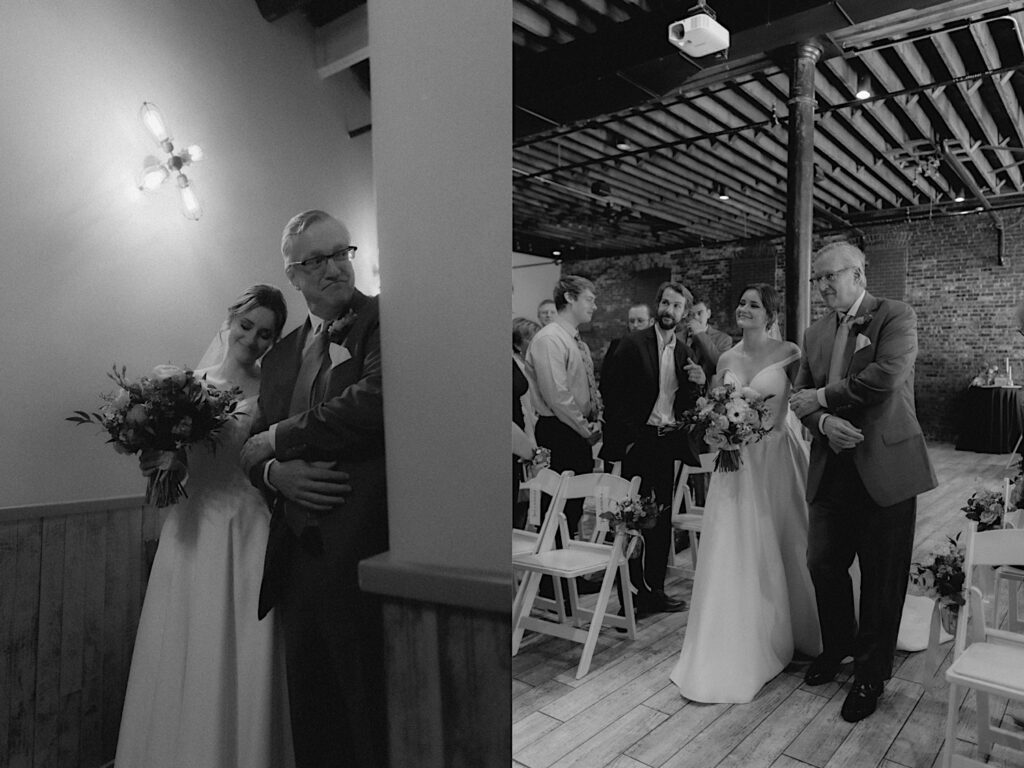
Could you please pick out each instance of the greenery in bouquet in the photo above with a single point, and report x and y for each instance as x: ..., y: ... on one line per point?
x: 631, y: 516
x: 162, y: 415
x: 728, y: 418
x: 986, y: 508
x: 942, y: 575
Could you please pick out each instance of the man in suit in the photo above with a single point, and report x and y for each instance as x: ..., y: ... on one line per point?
x: 653, y: 378
x: 697, y: 324
x: 317, y: 454
x: 855, y: 393
x: 638, y: 317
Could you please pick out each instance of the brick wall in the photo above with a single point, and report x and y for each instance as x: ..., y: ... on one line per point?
x: 946, y: 269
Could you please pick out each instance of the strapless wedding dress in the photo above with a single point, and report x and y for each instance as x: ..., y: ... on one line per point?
x: 753, y: 601
x: 207, y: 681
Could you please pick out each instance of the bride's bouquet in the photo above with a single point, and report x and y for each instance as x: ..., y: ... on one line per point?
x: 162, y: 414
x: 728, y: 418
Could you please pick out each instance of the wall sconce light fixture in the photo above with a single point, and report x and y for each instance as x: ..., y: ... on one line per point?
x: 155, y: 172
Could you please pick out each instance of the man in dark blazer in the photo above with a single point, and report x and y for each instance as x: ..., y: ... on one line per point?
x: 317, y: 454
x: 855, y: 393
x: 652, y: 379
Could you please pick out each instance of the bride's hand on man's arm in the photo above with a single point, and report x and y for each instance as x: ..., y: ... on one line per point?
x: 312, y: 484
x: 256, y: 449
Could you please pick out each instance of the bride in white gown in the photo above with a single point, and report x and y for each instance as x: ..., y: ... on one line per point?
x: 207, y: 687
x: 753, y: 602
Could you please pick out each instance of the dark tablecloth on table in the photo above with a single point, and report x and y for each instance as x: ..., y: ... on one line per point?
x: 991, y: 419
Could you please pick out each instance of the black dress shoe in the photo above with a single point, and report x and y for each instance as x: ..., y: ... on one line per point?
x: 822, y: 670
x: 658, y: 602
x: 861, y: 700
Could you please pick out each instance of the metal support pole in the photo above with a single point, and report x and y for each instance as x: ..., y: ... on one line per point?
x: 800, y: 190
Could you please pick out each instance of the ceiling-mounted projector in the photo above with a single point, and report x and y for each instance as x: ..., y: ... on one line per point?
x: 698, y: 35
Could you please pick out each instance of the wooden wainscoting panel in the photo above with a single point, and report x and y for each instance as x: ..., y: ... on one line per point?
x: 8, y: 593
x: 71, y: 641
x: 413, y: 684
x: 24, y: 638
x: 71, y: 587
x: 448, y: 685
x: 95, y: 582
x: 477, y: 699
x: 48, y: 648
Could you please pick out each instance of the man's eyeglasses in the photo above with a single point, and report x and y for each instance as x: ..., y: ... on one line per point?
x: 316, y: 263
x: 829, y: 277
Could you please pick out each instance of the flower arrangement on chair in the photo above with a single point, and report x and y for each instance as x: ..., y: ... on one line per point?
x: 728, y: 418
x: 986, y: 508
x: 942, y: 577
x: 632, y: 516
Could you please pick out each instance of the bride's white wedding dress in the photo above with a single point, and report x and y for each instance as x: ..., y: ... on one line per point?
x: 753, y: 601
x: 207, y: 684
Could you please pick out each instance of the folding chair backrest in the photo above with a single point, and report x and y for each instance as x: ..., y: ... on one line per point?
x: 1012, y: 518
x: 997, y: 547
x: 606, y: 490
x: 552, y: 484
x: 545, y: 482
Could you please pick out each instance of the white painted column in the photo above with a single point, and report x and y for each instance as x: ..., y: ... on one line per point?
x: 441, y: 78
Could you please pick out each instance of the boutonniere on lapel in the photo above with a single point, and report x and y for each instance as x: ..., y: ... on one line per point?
x: 860, y: 322
x: 337, y: 332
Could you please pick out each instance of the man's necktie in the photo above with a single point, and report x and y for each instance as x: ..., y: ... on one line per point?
x: 304, y: 394
x: 595, y: 395
x: 835, y: 365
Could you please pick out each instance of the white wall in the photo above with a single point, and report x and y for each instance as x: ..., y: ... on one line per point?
x: 93, y: 272
x: 533, y: 279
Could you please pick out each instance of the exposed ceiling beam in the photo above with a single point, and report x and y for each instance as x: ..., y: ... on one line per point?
x: 341, y: 43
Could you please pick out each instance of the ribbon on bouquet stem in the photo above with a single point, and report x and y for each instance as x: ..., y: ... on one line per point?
x: 167, y: 472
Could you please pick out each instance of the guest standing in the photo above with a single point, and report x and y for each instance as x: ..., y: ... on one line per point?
x: 868, y: 463
x: 563, y: 387
x: 649, y: 383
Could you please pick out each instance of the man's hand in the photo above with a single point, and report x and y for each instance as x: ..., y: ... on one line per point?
x: 312, y: 484
x: 804, y: 402
x: 695, y: 325
x: 695, y: 373
x: 595, y: 433
x: 841, y: 434
x: 256, y: 449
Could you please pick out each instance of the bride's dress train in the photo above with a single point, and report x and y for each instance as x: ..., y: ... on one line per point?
x: 753, y: 601
x: 207, y: 686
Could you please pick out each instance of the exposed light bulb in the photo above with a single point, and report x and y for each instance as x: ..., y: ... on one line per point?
x: 153, y: 175
x: 154, y: 122
x: 195, y: 153
x: 190, y: 205
x: 863, y: 90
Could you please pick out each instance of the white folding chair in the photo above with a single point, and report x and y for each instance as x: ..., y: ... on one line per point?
x: 1010, y: 573
x: 686, y: 515
x: 525, y: 542
x: 563, y: 558
x: 993, y: 663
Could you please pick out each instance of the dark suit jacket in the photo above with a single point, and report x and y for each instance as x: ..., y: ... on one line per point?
x: 630, y: 390
x: 346, y: 427
x: 875, y: 394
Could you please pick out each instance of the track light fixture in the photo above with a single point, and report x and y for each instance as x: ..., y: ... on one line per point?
x: 863, y: 91
x: 720, y: 193
x: 155, y: 171
x: 958, y: 196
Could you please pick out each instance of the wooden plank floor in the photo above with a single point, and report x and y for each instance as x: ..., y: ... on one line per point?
x: 625, y: 713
